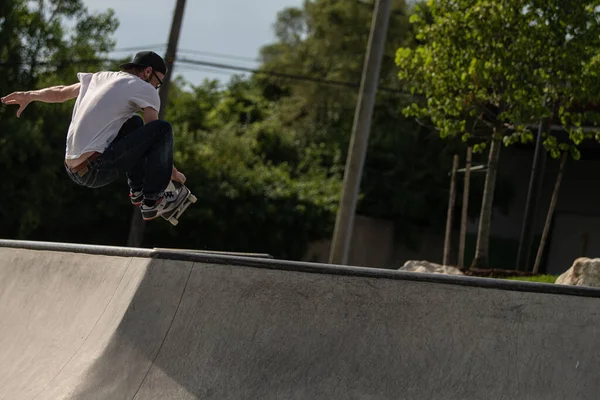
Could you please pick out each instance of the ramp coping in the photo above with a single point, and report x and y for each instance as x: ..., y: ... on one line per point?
x: 302, y: 266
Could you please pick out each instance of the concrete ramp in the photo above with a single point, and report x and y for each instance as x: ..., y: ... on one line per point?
x: 91, y: 322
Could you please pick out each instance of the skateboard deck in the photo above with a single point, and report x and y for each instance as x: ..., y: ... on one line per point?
x: 186, y: 198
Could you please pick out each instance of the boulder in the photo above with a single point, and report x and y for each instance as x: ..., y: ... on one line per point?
x: 584, y: 272
x: 429, y: 268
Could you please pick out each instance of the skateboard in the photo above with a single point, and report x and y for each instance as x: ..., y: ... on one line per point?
x: 185, y: 199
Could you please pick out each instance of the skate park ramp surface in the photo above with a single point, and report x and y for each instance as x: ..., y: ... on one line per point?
x: 92, y: 322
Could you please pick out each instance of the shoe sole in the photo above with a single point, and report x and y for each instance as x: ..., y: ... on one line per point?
x: 168, y: 214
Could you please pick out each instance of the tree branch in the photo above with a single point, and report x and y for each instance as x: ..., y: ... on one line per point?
x: 55, y: 12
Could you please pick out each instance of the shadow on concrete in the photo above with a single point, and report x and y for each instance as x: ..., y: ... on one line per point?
x: 235, y: 332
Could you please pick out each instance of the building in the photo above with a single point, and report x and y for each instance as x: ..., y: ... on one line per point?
x: 575, y: 228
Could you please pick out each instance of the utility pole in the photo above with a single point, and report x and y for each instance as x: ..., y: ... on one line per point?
x: 360, y: 133
x: 136, y: 232
x: 170, y: 56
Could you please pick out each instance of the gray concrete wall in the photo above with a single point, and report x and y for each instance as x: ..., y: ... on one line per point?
x: 372, y: 244
x: 92, y: 326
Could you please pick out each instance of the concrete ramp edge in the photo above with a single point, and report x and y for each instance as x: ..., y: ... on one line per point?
x: 308, y: 267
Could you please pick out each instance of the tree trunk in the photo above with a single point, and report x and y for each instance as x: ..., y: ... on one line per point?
x: 451, y: 201
x: 542, y: 245
x: 465, y: 209
x: 481, y: 259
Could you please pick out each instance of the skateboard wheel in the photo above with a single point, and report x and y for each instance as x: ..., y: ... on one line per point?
x: 193, y: 199
x: 174, y: 222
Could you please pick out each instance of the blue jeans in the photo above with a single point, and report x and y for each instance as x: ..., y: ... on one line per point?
x: 144, y: 153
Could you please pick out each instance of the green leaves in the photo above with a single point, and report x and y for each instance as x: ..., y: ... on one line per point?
x: 555, y: 148
x: 38, y: 50
x: 504, y: 63
x: 479, y: 147
x: 260, y: 187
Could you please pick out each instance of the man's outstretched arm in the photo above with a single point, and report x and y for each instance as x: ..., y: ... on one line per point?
x: 54, y: 94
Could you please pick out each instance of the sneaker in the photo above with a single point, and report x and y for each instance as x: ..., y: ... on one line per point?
x: 136, y: 197
x: 166, y: 203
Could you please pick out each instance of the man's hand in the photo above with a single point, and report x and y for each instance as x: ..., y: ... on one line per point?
x: 178, y: 176
x: 22, y: 99
x: 54, y: 94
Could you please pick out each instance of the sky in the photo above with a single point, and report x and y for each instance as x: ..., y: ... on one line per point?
x: 234, y: 29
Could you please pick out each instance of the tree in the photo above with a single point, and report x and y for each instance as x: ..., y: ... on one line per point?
x: 36, y: 49
x: 550, y: 214
x: 486, y: 70
x: 326, y: 40
x: 252, y: 196
x: 258, y: 190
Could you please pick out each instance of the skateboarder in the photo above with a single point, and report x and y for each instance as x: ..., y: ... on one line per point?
x: 106, y: 137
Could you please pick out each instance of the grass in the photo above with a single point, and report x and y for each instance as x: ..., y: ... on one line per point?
x: 537, y: 278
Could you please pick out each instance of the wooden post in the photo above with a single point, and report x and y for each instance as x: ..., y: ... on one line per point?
x: 542, y: 245
x: 465, y: 209
x: 451, y: 201
x: 536, y: 180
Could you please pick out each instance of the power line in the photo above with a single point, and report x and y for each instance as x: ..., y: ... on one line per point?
x: 186, y: 61
x: 219, y: 55
x: 198, y: 68
x: 138, y: 48
x: 216, y: 65
x: 188, y: 51
x: 281, y: 74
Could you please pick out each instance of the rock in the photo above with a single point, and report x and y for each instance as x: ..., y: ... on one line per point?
x: 430, y: 268
x: 584, y: 272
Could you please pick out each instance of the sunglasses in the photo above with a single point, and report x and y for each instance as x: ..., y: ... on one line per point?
x: 160, y: 83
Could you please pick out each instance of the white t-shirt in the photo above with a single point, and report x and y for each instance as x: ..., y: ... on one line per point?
x: 106, y: 100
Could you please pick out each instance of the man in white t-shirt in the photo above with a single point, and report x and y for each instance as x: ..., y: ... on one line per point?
x: 106, y: 137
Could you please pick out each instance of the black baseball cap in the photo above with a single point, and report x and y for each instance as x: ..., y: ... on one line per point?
x: 147, y: 59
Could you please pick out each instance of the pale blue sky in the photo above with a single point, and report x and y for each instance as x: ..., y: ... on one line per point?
x: 234, y: 27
